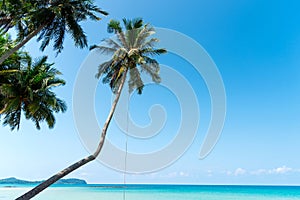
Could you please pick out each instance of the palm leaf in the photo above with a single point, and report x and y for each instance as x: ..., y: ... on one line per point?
x: 135, y: 81
x: 104, y: 49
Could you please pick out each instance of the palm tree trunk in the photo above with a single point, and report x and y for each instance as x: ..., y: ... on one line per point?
x: 83, y: 161
x: 21, y: 44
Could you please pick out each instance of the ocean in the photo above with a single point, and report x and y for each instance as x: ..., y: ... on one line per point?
x: 157, y: 192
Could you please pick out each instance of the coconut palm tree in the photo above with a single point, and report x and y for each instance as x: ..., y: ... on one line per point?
x: 28, y: 90
x: 131, y: 53
x: 11, y: 65
x: 10, y: 14
x: 16, y: 59
x: 13, y: 13
x: 49, y: 19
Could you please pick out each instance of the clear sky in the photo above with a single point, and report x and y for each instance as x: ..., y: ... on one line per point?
x: 255, y: 45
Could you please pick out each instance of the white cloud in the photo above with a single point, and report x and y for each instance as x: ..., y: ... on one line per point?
x: 239, y: 171
x: 280, y: 170
x: 176, y: 174
x: 275, y: 171
x: 183, y: 174
x: 228, y: 172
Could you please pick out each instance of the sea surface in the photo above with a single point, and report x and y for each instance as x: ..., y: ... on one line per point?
x: 156, y: 192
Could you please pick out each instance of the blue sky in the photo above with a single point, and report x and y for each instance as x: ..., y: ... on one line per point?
x: 255, y: 45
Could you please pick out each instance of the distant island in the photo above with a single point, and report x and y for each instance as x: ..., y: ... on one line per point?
x: 70, y: 181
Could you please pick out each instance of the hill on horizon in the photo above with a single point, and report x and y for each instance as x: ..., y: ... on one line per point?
x: 70, y: 181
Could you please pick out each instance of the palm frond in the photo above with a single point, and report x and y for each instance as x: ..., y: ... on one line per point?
x: 135, y: 81
x: 148, y: 44
x: 114, y: 26
x: 143, y: 34
x: 8, y: 90
x: 153, y: 71
x: 13, y: 119
x: 137, y: 23
x: 76, y: 31
x: 153, y: 52
x: 104, y: 49
x: 103, y: 68
x: 112, y: 43
x: 59, y: 35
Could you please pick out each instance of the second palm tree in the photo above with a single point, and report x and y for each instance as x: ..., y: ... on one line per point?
x: 131, y: 52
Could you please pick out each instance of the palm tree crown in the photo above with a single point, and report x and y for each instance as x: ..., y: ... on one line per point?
x: 64, y: 16
x: 16, y: 59
x: 131, y: 51
x: 29, y: 90
x: 11, y: 65
x: 50, y: 20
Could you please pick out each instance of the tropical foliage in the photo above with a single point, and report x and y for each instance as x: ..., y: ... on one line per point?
x: 50, y: 20
x: 11, y: 65
x: 131, y: 49
x: 14, y: 13
x: 26, y: 86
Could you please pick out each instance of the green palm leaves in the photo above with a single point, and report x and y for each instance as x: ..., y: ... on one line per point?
x: 29, y: 90
x: 50, y: 20
x: 131, y: 49
x: 63, y: 16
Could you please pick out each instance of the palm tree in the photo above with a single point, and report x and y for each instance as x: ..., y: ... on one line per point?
x: 49, y: 19
x: 10, y: 14
x: 11, y: 65
x: 131, y: 52
x: 28, y: 90
x: 16, y: 59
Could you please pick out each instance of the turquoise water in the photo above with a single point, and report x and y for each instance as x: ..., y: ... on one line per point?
x: 158, y: 192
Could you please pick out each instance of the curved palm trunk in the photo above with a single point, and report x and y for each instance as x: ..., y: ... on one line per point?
x: 21, y: 44
x: 83, y: 161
